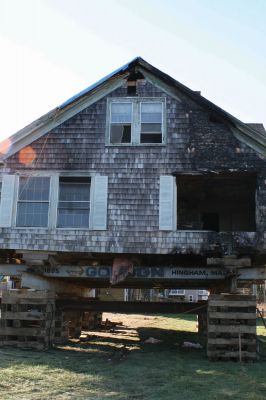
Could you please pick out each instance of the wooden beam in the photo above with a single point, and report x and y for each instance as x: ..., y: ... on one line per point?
x: 133, y: 307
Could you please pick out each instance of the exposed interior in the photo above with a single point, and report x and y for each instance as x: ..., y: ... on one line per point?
x: 220, y: 202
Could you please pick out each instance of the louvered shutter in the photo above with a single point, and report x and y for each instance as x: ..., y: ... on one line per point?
x: 7, y: 200
x: 167, y: 208
x: 98, y: 219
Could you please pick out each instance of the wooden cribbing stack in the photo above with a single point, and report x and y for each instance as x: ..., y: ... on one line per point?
x: 27, y: 319
x: 232, y: 327
x: 91, y: 320
x: 61, y: 332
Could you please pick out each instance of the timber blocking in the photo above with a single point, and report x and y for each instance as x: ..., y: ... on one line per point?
x: 232, y: 327
x: 27, y: 319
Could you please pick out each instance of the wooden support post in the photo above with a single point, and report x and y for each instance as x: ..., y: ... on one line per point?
x: 202, y: 324
x: 61, y: 333
x: 74, y: 318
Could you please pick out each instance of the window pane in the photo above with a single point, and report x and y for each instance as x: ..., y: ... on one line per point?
x: 74, y: 204
x: 150, y: 138
x: 34, y: 188
x: 74, y: 191
x: 151, y: 112
x: 151, y: 128
x: 121, y: 112
x: 73, y: 218
x: 120, y: 134
x: 32, y: 214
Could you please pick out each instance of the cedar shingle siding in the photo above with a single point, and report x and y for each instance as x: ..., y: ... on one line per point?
x: 193, y: 143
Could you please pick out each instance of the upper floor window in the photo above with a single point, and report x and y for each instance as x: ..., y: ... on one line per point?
x: 121, y: 123
x: 33, y: 202
x: 74, y: 202
x: 136, y: 121
x: 151, y: 122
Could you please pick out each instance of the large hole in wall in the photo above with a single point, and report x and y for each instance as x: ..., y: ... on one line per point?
x: 223, y: 202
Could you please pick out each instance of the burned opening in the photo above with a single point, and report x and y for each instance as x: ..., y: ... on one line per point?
x: 131, y: 88
x: 224, y: 202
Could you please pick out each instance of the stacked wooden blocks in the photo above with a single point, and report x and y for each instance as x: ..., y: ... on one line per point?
x: 61, y: 333
x: 232, y: 327
x: 27, y: 319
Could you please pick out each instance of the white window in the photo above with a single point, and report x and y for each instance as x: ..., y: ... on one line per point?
x: 151, y: 122
x: 74, y: 202
x: 121, y: 123
x: 135, y: 121
x: 33, y: 202
x: 177, y: 292
x: 203, y: 292
x: 54, y: 201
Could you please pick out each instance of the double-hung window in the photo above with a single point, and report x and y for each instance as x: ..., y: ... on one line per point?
x: 33, y: 202
x: 74, y: 202
x: 121, y: 122
x: 136, y: 121
x: 151, y: 122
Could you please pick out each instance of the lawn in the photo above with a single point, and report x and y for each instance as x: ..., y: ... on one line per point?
x: 119, y: 365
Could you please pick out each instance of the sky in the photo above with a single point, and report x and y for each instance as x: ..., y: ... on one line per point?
x: 52, y: 49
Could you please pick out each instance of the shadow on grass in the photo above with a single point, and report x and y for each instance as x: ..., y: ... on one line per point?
x: 107, y: 348
x: 122, y: 368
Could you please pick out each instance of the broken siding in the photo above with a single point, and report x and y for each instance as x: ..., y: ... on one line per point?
x: 193, y: 143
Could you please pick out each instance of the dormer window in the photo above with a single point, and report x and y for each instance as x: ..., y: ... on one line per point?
x: 136, y: 121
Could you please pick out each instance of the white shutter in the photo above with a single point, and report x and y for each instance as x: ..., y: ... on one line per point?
x: 167, y: 208
x: 98, y: 220
x: 7, y: 200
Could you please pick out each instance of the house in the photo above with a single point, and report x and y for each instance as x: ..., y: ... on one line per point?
x: 138, y: 181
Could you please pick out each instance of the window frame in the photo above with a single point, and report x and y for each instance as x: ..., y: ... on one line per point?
x: 136, y: 120
x: 131, y: 122
x: 53, y: 197
x: 34, y: 175
x: 58, y: 200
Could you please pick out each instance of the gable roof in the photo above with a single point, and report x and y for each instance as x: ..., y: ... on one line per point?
x: 251, y: 134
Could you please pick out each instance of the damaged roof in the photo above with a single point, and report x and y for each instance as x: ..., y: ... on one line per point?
x: 252, y: 134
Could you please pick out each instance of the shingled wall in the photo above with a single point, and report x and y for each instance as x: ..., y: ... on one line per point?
x: 193, y: 143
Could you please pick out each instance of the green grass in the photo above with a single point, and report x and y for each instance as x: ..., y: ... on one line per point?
x: 120, y: 365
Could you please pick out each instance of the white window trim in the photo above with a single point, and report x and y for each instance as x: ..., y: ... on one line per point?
x: 57, y: 201
x: 136, y: 119
x: 43, y: 174
x: 53, y: 198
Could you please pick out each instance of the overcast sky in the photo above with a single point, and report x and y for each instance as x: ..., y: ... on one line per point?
x: 52, y: 49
